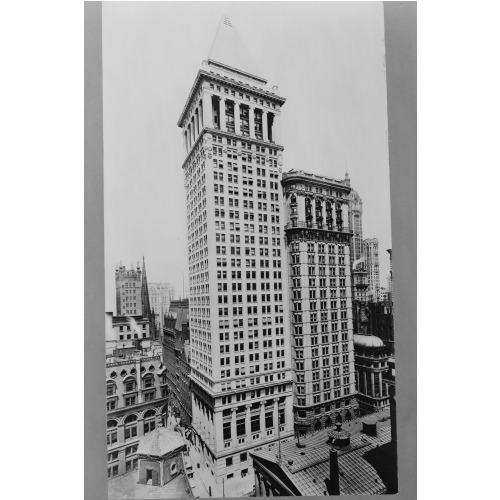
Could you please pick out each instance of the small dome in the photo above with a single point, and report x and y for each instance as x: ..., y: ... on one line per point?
x: 367, y: 341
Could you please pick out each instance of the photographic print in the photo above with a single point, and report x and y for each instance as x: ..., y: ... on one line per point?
x: 249, y: 327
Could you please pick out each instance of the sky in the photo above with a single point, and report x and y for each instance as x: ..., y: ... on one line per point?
x: 328, y: 61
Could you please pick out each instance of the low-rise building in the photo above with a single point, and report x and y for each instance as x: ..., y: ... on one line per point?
x: 160, y: 458
x: 136, y: 394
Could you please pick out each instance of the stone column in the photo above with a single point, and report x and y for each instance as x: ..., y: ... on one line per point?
x: 251, y: 120
x: 200, y: 111
x: 345, y: 217
x: 262, y: 417
x: 237, y: 123
x: 372, y: 377
x: 185, y: 141
x: 193, y: 129
x: 276, y: 129
x: 207, y: 115
x: 301, y: 207
x: 222, y: 113
x: 233, y: 424
x: 264, y: 126
x: 197, y: 122
x: 120, y: 434
x: 276, y: 414
x: 188, y: 134
x: 365, y: 383
x: 248, y: 424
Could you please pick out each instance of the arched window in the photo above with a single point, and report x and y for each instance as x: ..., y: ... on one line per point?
x: 293, y: 199
x: 328, y: 422
x: 148, y: 381
x: 130, y: 384
x: 131, y: 427
x: 112, y: 433
x: 317, y: 425
x: 149, y: 421
x: 110, y: 388
x: 173, y: 468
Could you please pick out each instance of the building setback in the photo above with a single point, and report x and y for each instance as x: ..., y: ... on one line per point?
x: 240, y: 346
x: 318, y: 248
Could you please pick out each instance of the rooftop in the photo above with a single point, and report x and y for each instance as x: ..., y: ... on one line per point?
x: 160, y: 442
x: 367, y: 341
x: 308, y: 467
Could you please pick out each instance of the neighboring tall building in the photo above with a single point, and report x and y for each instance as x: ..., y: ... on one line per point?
x: 359, y: 296
x: 390, y: 288
x: 177, y: 356
x: 132, y: 295
x: 370, y: 250
x: 356, y: 224
x: 318, y: 238
x: 136, y: 396
x: 238, y: 310
x: 128, y: 284
x: 160, y: 296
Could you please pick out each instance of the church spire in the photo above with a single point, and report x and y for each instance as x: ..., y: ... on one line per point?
x: 145, y: 292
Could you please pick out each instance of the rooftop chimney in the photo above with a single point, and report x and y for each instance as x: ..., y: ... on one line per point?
x: 333, y: 483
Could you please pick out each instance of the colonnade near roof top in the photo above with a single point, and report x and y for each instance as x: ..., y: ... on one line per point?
x: 229, y: 115
x: 318, y: 212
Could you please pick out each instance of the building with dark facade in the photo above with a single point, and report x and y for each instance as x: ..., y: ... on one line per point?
x: 318, y: 242
x: 177, y: 356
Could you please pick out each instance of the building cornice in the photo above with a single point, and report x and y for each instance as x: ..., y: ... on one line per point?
x: 316, y: 180
x: 210, y: 76
x: 231, y: 135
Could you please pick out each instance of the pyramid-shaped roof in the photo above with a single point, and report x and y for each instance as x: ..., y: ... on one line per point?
x: 229, y: 50
x: 160, y: 442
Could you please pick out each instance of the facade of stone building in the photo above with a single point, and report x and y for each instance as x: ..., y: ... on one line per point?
x: 240, y: 346
x: 371, y: 358
x: 136, y: 395
x: 370, y: 251
x: 177, y: 356
x: 320, y: 293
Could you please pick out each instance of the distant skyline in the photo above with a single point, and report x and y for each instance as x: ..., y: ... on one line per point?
x: 328, y: 60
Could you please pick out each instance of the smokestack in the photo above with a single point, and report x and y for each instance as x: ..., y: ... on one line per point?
x: 333, y: 484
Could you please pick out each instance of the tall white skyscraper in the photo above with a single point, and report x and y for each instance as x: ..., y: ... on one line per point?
x: 238, y: 309
x: 370, y: 247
